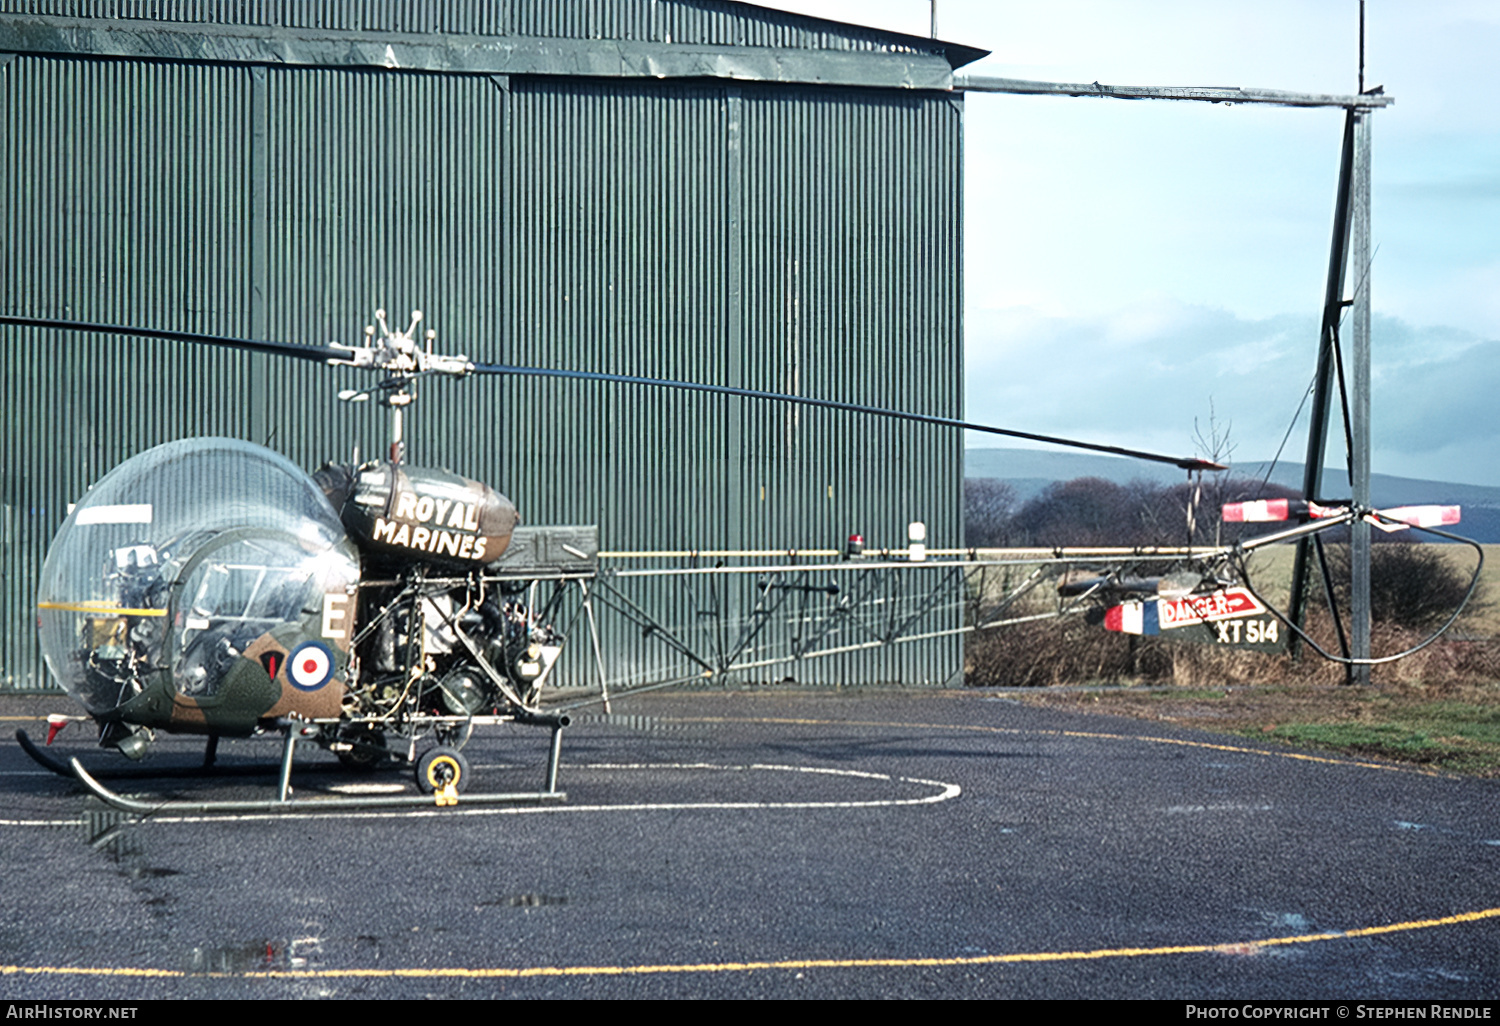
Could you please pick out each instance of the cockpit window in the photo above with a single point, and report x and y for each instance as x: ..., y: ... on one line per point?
x: 217, y: 539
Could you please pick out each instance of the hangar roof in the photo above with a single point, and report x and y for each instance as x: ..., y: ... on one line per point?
x: 598, y: 38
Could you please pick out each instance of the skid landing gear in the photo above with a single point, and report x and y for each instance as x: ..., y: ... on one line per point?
x: 50, y: 762
x: 442, y: 773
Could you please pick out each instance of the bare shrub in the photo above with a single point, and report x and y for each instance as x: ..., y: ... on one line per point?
x: 1088, y: 511
x: 1069, y: 651
x: 1447, y: 661
x: 989, y: 505
x: 1411, y: 585
x: 1226, y: 666
x: 1414, y: 588
x: 1043, y: 653
x: 1093, y: 511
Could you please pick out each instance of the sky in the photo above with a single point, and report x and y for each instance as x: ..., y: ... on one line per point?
x: 1134, y: 269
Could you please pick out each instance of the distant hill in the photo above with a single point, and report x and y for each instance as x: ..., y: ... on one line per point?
x: 1031, y: 470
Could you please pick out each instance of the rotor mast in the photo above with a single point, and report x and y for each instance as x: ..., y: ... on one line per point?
x: 397, y: 353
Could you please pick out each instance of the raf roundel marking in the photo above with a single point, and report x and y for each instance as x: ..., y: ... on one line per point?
x: 310, y: 665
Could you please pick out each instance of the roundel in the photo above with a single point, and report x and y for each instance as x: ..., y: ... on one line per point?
x: 310, y: 665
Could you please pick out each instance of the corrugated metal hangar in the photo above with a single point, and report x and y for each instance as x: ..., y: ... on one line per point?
x: 690, y: 189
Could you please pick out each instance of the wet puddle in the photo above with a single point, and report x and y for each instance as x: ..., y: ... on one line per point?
x: 524, y: 901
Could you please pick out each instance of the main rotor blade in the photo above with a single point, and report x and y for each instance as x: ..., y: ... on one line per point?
x: 327, y: 353
x: 319, y: 353
x: 1184, y: 462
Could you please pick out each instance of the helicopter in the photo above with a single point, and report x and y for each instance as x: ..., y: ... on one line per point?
x: 210, y: 586
x: 377, y: 609
x: 383, y: 611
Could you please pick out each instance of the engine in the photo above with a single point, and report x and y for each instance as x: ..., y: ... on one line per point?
x: 440, y: 648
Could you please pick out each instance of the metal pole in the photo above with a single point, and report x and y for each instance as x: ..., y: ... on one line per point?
x: 1361, y: 44
x: 1359, y: 400
x: 284, y: 784
x: 1208, y: 94
x: 554, y: 754
x: 588, y: 608
x: 1317, y: 431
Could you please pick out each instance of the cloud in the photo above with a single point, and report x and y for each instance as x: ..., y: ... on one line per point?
x: 1126, y: 262
x: 1467, y: 187
x: 1442, y: 405
x: 1140, y: 377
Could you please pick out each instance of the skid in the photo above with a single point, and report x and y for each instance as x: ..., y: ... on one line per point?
x: 297, y: 806
x: 284, y: 802
x: 47, y: 761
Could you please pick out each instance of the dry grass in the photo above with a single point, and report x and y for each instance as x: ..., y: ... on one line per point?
x: 1453, y: 728
x: 1439, y: 708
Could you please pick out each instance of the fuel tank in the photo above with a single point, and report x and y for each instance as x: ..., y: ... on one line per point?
x: 420, y: 514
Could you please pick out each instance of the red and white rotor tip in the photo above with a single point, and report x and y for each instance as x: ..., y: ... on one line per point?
x: 1416, y: 516
x: 1265, y: 511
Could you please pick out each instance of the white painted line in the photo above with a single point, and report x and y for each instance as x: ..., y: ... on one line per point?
x: 944, y: 792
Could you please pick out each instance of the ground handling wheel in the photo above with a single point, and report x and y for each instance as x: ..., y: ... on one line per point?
x: 442, y: 771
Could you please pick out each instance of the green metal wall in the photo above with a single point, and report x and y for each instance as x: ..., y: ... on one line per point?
x: 783, y: 237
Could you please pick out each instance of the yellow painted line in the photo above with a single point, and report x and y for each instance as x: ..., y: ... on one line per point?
x: 1232, y: 948
x: 980, y: 729
x: 99, y: 607
x: 48, y: 970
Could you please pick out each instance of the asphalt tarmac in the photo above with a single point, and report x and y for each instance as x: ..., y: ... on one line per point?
x: 770, y: 843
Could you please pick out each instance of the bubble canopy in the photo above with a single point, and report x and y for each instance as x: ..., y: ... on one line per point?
x: 178, y: 556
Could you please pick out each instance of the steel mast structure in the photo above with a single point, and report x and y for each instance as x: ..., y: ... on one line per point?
x: 1351, y: 243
